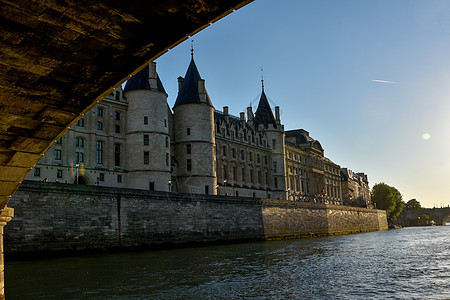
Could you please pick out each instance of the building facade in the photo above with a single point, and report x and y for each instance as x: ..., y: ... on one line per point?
x: 355, y: 187
x: 132, y: 139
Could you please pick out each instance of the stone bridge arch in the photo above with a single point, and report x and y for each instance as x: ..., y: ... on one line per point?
x: 408, y: 216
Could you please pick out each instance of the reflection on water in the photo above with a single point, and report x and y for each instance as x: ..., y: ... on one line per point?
x: 399, y: 264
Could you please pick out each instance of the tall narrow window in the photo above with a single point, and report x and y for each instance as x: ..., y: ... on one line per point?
x: 274, y: 166
x: 117, y: 126
x: 117, y: 96
x: 99, y: 112
x: 188, y: 131
x: 117, y: 116
x: 146, y: 140
x: 59, y: 173
x: 57, y: 154
x: 58, y: 141
x: 99, y: 148
x: 274, y: 144
x: 79, y: 156
x: 167, y: 142
x: 224, y: 151
x: 167, y: 159
x: 146, y: 158
x: 165, y: 123
x: 275, y: 182
x: 225, y: 173
x: 188, y: 149
x: 243, y: 174
x: 99, y: 125
x: 117, y: 154
x: 119, y: 178
x: 37, y: 172
x: 80, y: 122
x: 79, y: 142
x: 206, y: 189
x: 151, y: 186
x: 145, y: 120
x: 234, y: 173
x: 189, y: 165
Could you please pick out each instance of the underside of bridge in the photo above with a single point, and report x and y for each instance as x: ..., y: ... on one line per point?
x: 60, y: 57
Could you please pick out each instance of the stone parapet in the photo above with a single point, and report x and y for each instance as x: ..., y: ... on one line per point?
x: 67, y: 218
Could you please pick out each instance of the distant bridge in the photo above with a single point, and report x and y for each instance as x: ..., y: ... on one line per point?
x: 410, y: 217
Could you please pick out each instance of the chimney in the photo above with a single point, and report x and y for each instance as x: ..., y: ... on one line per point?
x: 242, y: 116
x: 277, y: 115
x: 250, y: 115
x: 180, y: 82
x: 225, y: 110
x: 152, y: 75
x: 202, y: 90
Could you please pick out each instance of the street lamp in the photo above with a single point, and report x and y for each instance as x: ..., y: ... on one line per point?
x: 224, y: 184
x: 77, y: 165
x: 170, y: 185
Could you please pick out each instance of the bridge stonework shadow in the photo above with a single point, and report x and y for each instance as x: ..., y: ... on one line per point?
x: 59, y: 58
x: 409, y: 217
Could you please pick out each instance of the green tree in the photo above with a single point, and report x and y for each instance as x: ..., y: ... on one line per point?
x: 388, y: 198
x: 413, y: 204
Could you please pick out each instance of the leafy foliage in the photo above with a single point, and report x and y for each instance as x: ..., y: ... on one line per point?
x: 413, y: 204
x: 388, y: 198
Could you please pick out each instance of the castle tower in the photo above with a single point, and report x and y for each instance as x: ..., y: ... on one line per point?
x: 193, y: 129
x: 275, y: 137
x: 147, y: 139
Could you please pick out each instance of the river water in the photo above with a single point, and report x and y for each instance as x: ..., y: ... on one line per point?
x: 409, y: 263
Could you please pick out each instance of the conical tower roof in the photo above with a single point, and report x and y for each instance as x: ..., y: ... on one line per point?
x: 140, y: 81
x: 188, y: 92
x: 264, y: 114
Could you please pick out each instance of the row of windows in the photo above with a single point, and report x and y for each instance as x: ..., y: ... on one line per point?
x: 147, y: 158
x: 245, y: 137
x: 147, y: 140
x: 100, y: 113
x: 146, y: 121
x: 242, y: 154
x: 79, y: 156
x: 59, y: 174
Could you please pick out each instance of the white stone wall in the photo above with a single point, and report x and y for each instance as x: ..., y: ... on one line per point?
x: 150, y: 139
x: 198, y: 119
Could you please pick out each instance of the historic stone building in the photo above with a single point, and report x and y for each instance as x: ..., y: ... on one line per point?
x: 310, y: 176
x: 133, y: 139
x: 355, y: 188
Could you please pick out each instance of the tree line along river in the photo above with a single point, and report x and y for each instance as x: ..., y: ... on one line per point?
x: 408, y: 263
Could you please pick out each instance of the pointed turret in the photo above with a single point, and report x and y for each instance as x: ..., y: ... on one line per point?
x: 264, y: 114
x: 147, y: 130
x: 145, y: 79
x: 192, y: 88
x: 193, y: 128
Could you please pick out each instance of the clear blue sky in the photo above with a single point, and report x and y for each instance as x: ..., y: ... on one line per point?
x: 320, y: 60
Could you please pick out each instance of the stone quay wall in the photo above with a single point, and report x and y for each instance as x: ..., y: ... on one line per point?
x: 52, y: 218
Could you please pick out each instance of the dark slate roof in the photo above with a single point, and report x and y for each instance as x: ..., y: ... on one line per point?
x: 188, y: 92
x: 139, y: 81
x: 264, y: 114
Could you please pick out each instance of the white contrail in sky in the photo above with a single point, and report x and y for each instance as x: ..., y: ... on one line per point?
x: 383, y: 81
